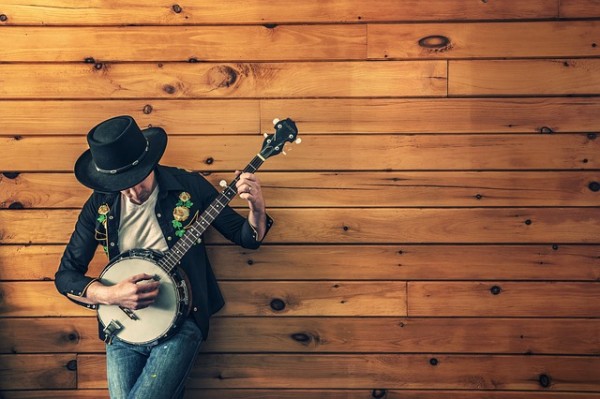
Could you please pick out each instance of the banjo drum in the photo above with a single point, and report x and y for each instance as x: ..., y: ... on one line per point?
x: 163, y: 317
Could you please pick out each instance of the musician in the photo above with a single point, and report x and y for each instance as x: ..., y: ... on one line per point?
x: 138, y: 203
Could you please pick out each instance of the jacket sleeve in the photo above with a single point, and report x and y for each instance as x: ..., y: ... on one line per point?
x: 231, y: 224
x: 71, y: 279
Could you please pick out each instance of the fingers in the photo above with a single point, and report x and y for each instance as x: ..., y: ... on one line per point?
x: 248, y: 186
x: 138, y: 292
x: 140, y: 277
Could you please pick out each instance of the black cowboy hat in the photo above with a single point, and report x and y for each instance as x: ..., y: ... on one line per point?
x: 121, y: 155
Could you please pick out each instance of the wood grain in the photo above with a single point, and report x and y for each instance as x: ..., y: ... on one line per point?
x: 350, y: 189
x: 483, y: 40
x: 40, y: 299
x: 331, y: 116
x: 332, y: 335
x: 391, y: 226
x: 550, y: 299
x: 46, y: 12
x: 530, y: 77
x: 567, y: 373
x: 39, y: 371
x: 210, y: 80
x: 312, y: 394
x: 353, y: 262
x: 334, y: 153
x: 197, y: 43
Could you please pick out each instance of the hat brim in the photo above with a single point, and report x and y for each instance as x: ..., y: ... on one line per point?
x: 87, y: 174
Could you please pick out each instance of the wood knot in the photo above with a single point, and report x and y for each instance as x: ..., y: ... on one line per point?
x: 147, y: 109
x: 3, y: 18
x: 435, y: 43
x: 495, y: 290
x: 222, y: 76
x: 209, y: 160
x: 176, y: 8
x: 89, y: 60
x: 545, y: 380
x: 277, y: 304
x: 594, y: 186
x: 71, y: 365
x: 72, y: 337
x: 170, y: 89
x: 546, y: 130
x: 303, y: 338
x: 16, y: 205
x: 378, y: 393
x: 10, y: 175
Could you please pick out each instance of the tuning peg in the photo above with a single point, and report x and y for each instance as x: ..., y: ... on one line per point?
x: 298, y: 140
x: 275, y: 121
x: 223, y: 183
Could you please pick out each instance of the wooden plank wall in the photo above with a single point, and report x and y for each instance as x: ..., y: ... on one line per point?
x: 437, y: 232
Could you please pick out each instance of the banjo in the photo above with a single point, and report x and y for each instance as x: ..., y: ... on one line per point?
x: 162, y: 318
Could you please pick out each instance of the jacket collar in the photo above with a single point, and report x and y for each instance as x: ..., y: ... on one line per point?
x: 166, y: 181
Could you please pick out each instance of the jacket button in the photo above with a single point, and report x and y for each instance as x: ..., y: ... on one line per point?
x: 112, y: 244
x: 111, y: 217
x: 158, y: 215
x: 169, y: 238
x: 195, y: 309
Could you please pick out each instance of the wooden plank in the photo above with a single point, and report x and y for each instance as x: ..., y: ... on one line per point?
x: 405, y: 335
x: 333, y: 116
x: 201, y: 43
x: 579, y: 9
x: 382, y: 298
x: 338, y: 226
x: 175, y: 116
x: 350, y: 189
x: 483, y: 40
x: 50, y: 335
x: 40, y: 299
x: 59, y: 394
x: 33, y: 299
x: 361, y: 394
x: 334, y: 153
x: 210, y: 80
x: 309, y: 394
x: 62, y: 12
x: 346, y: 298
x: 439, y: 116
x: 524, y: 77
x: 332, y: 335
x: 56, y: 371
x: 38, y: 262
x: 408, y: 262
x: 566, y: 373
x: 534, y: 299
x: 353, y: 262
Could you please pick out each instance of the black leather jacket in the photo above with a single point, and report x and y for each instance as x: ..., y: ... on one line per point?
x: 71, y: 279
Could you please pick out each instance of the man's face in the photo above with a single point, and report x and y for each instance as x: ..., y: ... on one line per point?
x: 140, y: 193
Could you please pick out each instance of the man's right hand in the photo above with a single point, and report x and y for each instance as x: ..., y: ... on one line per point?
x: 136, y: 292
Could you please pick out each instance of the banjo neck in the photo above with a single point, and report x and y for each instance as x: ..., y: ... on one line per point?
x: 173, y: 256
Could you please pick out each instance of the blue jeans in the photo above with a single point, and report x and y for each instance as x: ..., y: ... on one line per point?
x: 155, y: 371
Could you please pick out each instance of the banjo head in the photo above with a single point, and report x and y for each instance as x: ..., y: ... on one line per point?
x: 142, y: 326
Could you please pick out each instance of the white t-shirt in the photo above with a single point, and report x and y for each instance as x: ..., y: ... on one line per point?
x: 139, y: 227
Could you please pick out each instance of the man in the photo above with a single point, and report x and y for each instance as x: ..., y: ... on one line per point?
x: 138, y: 203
